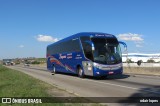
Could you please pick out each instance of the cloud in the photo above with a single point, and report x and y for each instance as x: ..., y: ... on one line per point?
x: 130, y: 37
x: 46, y: 38
x: 21, y: 46
x: 136, y: 38
x: 139, y: 46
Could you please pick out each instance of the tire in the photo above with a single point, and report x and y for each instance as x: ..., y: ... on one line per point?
x: 80, y: 72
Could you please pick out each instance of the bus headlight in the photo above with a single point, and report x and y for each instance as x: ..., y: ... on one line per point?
x: 97, y: 66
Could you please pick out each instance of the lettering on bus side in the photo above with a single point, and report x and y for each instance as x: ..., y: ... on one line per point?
x: 78, y: 56
x: 62, y: 57
x: 69, y: 56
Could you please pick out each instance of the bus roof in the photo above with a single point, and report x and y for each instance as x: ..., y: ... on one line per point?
x: 82, y: 34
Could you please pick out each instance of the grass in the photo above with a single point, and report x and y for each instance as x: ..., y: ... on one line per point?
x: 17, y: 84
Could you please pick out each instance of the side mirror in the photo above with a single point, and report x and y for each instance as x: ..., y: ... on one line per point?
x: 124, y: 44
x: 125, y: 48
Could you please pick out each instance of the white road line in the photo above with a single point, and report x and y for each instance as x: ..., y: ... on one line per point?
x: 153, y: 76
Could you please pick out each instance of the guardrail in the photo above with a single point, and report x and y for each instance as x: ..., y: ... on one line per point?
x: 142, y: 65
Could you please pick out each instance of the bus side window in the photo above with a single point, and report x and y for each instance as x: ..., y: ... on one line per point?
x: 88, y: 51
x: 87, y: 47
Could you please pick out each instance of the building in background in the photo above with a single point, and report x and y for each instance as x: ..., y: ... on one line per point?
x: 135, y: 57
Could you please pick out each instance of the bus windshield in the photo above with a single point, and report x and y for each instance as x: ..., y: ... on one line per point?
x: 107, y: 51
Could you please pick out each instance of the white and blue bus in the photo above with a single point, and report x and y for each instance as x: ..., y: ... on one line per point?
x: 91, y: 54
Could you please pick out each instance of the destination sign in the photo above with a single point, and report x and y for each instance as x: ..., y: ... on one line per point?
x: 103, y: 35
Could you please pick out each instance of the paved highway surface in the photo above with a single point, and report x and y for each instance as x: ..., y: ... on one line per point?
x: 120, y: 86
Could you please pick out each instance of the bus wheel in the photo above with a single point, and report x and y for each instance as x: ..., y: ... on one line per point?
x: 53, y: 70
x: 80, y: 73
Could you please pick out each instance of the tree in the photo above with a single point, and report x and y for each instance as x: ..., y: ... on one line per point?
x: 150, y: 61
x: 139, y: 62
x: 129, y: 61
x: 35, y: 62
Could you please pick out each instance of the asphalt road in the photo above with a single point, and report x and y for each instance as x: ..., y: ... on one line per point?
x: 114, y: 86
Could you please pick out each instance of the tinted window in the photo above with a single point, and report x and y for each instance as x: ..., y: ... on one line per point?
x: 87, y: 47
x: 67, y: 46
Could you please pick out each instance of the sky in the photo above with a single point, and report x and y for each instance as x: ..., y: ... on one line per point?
x: 28, y: 26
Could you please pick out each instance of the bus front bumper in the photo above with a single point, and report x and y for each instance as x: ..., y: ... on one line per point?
x: 105, y: 70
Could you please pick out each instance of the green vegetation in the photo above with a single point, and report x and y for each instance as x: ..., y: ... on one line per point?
x: 41, y: 59
x: 150, y: 61
x: 129, y: 61
x: 35, y: 62
x: 38, y: 61
x: 16, y: 84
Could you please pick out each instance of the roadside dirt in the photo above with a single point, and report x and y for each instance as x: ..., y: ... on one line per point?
x: 142, y: 70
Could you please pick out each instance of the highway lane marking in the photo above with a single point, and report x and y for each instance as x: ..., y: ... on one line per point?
x: 123, y: 86
x: 152, y: 76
